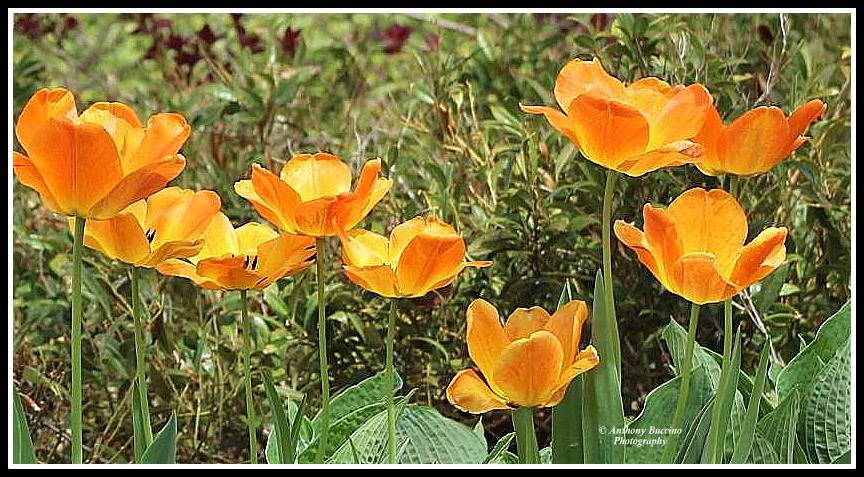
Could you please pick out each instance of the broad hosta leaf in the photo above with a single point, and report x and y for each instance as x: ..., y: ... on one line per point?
x: 22, y: 445
x: 546, y: 455
x: 602, y: 406
x: 657, y: 414
x: 428, y: 438
x: 825, y: 424
x: 762, y: 451
x: 341, y: 429
x: 804, y: 367
x: 496, y: 454
x: 694, y: 448
x: 368, y: 391
x: 163, y: 450
x: 778, y: 427
x: 675, y: 337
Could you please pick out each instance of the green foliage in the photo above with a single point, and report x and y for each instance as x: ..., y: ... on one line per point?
x: 163, y: 450
x: 22, y: 445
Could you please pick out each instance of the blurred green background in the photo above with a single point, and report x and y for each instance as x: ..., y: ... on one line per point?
x: 437, y: 98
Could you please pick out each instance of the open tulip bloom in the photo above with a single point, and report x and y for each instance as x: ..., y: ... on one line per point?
x: 695, y: 247
x: 251, y: 257
x: 756, y: 141
x: 421, y: 255
x: 527, y: 362
x: 170, y: 224
x: 96, y: 164
x: 633, y: 129
x: 312, y: 195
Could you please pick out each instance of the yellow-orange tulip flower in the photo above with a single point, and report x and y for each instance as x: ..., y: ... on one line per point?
x: 421, y: 255
x: 251, y: 257
x: 168, y: 224
x: 526, y: 363
x: 632, y: 129
x: 312, y: 195
x: 96, y: 164
x: 695, y: 247
x: 756, y: 141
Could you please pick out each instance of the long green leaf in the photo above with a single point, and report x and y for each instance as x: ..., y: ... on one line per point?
x: 723, y: 403
x: 140, y: 436
x: 566, y: 443
x: 693, y: 447
x: 500, y: 448
x: 163, y: 450
x: 748, y: 429
x: 22, y: 445
x: 602, y: 406
x: 281, y: 428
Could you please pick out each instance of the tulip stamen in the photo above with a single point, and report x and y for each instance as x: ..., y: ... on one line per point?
x: 255, y: 262
x: 246, y: 262
x: 150, y: 234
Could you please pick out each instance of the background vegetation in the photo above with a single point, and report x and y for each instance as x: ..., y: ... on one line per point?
x: 436, y: 98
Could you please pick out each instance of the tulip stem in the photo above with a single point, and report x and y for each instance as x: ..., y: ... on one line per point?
x: 391, y: 413
x: 526, y: 439
x: 321, y: 247
x: 247, y: 370
x: 684, y: 390
x: 140, y: 360
x: 611, y: 178
x: 77, y: 438
x: 717, y: 440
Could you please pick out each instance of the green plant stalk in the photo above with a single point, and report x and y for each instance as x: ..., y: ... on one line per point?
x: 247, y: 370
x: 140, y: 355
x: 684, y: 390
x: 391, y: 413
x: 611, y: 178
x: 526, y: 439
x: 717, y: 441
x: 75, y: 424
x: 321, y: 247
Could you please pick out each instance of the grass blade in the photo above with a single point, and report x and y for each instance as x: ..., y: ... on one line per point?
x: 281, y: 427
x: 748, y: 429
x: 22, y: 445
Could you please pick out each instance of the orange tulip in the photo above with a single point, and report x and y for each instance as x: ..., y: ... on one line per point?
x: 695, y: 247
x: 528, y: 362
x: 632, y: 129
x: 169, y: 224
x: 251, y: 257
x: 312, y: 195
x: 756, y: 141
x: 96, y: 164
x: 422, y: 254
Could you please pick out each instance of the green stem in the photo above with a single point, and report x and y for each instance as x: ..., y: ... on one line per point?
x: 717, y: 440
x: 611, y: 178
x: 141, y: 356
x: 526, y: 439
x: 77, y: 246
x: 391, y: 413
x: 684, y: 390
x: 247, y: 369
x: 321, y: 246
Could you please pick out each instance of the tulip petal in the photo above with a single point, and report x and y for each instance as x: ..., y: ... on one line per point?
x: 709, y: 163
x: 584, y: 361
x: 353, y: 207
x: 138, y: 185
x: 710, y: 221
x: 664, y: 242
x: 755, y: 142
x: 695, y: 278
x: 485, y: 337
x: 275, y: 200
x: 469, y: 393
x: 118, y: 119
x: 609, y: 131
x: 524, y: 321
x: 251, y: 235
x: 318, y: 217
x: 180, y: 268
x: 380, y: 279
x: 670, y: 155
x: 556, y: 118
x: 45, y: 104
x: 682, y: 116
x: 285, y: 254
x: 164, y: 135
x: 172, y: 249
x: 760, y: 257
x: 314, y: 176
x: 404, y: 233
x: 579, y: 77
x: 118, y: 238
x: 635, y: 240
x: 219, y: 238
x: 29, y: 175
x: 175, y: 214
x: 528, y: 369
x: 362, y: 248
x: 650, y: 95
x: 229, y: 272
x: 804, y: 115
x: 428, y: 259
x: 566, y: 324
